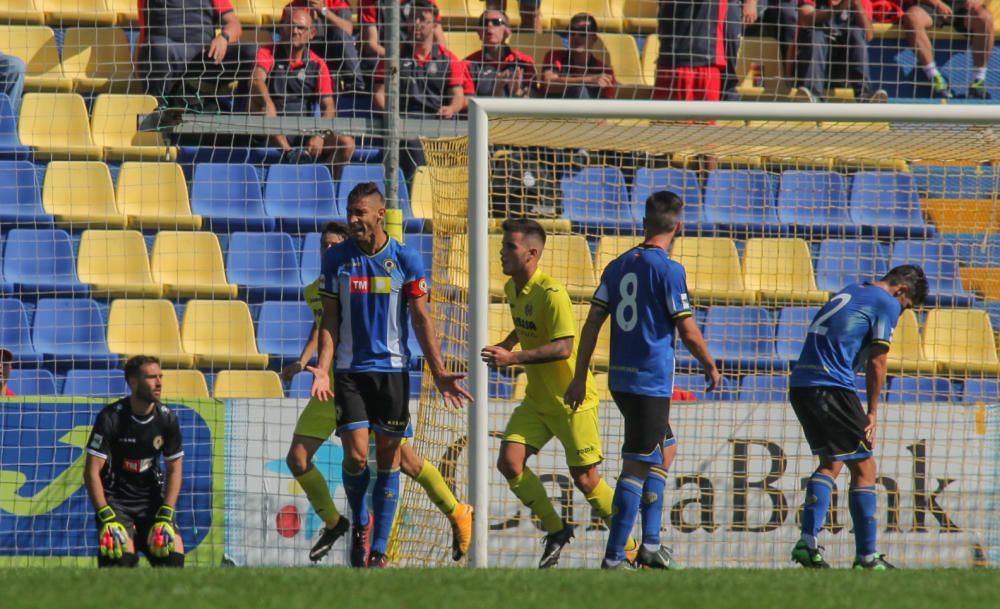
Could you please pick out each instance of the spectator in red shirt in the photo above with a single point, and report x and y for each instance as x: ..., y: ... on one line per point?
x: 577, y: 73
x: 6, y: 360
x: 498, y: 70
x: 290, y: 80
x: 692, y: 50
x: 334, y: 40
x: 374, y: 30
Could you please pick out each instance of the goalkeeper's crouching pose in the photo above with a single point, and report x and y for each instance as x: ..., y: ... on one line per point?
x: 134, y: 504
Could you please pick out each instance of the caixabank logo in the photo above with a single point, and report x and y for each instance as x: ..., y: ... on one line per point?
x: 44, y: 509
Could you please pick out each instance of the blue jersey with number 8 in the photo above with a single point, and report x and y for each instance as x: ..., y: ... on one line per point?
x: 644, y: 292
x: 840, y: 336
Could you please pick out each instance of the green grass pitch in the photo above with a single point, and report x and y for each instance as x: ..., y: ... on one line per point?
x: 66, y: 588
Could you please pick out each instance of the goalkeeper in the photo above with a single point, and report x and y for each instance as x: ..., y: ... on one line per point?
x: 134, y: 504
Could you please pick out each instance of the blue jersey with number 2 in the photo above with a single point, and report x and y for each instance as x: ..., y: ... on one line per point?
x: 840, y: 336
x: 644, y: 292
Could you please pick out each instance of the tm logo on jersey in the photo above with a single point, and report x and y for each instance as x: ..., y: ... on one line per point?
x: 371, y: 285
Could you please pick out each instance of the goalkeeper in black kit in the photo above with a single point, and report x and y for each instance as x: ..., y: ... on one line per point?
x: 133, y: 499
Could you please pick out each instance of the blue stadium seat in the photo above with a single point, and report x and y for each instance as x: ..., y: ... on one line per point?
x: 21, y: 196
x: 793, y: 325
x: 682, y: 182
x: 229, y: 197
x: 41, y: 263
x: 982, y: 250
x: 10, y: 142
x: 95, y: 384
x: 764, y: 388
x: 71, y: 333
x: 695, y: 383
x: 918, y: 389
x: 301, y: 386
x: 742, y: 339
x: 15, y: 332
x: 424, y: 244
x: 940, y: 263
x: 311, y: 258
x: 951, y: 182
x: 594, y: 200
x: 264, y: 265
x: 32, y: 381
x: 282, y: 330
x: 887, y: 205
x: 353, y: 175
x: 740, y: 202
x: 814, y: 203
x: 845, y: 261
x: 986, y: 390
x: 301, y: 197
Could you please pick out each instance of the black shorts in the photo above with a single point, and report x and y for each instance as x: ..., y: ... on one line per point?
x: 376, y: 400
x: 958, y: 16
x: 138, y: 519
x: 833, y: 420
x: 647, y: 426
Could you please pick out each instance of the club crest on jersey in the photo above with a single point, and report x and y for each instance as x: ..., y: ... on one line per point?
x: 422, y: 284
x: 389, y: 265
x: 158, y: 442
x: 95, y: 442
x: 432, y: 69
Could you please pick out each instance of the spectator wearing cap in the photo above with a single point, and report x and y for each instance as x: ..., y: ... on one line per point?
x: 576, y: 72
x: 6, y: 361
x: 497, y: 70
x: 692, y: 50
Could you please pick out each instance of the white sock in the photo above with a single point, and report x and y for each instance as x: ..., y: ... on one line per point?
x: 612, y: 563
x: 868, y: 558
x: 810, y: 541
x: 651, y: 547
x: 930, y: 70
x: 979, y: 73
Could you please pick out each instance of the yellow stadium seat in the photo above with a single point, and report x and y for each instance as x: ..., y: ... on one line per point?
x: 189, y: 265
x: 650, y: 53
x: 766, y: 53
x: 126, y: 11
x: 115, y: 263
x: 520, y: 387
x: 97, y: 59
x: 610, y: 247
x: 986, y: 281
x: 57, y: 126
x: 184, y: 384
x: 36, y: 46
x: 268, y: 11
x: 21, y: 11
x: 906, y: 354
x: 455, y: 13
x: 246, y: 11
x: 557, y: 14
x: 961, y: 341
x: 601, y: 381
x: 114, y: 124
x: 421, y: 194
x: 602, y: 352
x: 149, y: 327
x: 248, y: 384
x: 155, y: 195
x: 64, y: 12
x: 220, y: 334
x: 962, y: 215
x: 462, y: 44
x: 713, y: 270
x: 500, y: 322
x: 568, y: 260
x: 623, y: 55
x: 80, y: 194
x: 261, y: 36
x: 781, y: 270
x: 640, y: 15
x: 535, y: 45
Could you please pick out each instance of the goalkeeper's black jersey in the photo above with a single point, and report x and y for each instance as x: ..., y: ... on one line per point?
x: 131, y: 447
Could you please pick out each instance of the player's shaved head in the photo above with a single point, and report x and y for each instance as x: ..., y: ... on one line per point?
x: 663, y: 212
x: 369, y: 191
x: 911, y: 276
x: 531, y: 229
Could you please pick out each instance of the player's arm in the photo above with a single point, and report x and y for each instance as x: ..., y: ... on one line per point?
x: 327, y: 338
x: 307, y: 352
x: 691, y: 336
x: 875, y: 372
x: 92, y: 480
x: 510, y: 341
x: 577, y: 388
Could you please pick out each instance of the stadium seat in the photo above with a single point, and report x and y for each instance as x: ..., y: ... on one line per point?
x: 962, y: 215
x: 301, y: 385
x: 98, y: 59
x: 610, y: 247
x: 423, y: 243
x: 602, y: 351
x: 921, y: 389
x: 80, y: 195
x: 764, y: 388
x: 842, y: 262
x: 20, y: 196
x: 15, y: 332
x: 95, y: 384
x: 536, y: 45
x: 975, y: 250
x: 601, y: 383
x: 115, y: 263
x: 887, y: 205
x: 906, y: 353
x: 985, y: 281
x: 594, y: 200
x: 247, y: 384
x: 568, y: 260
x: 301, y: 197
x: 137, y: 327
x: 742, y: 339
x: 189, y: 265
x: 31, y: 381
x: 781, y: 270
x: 639, y: 16
x: 220, y: 334
x: 981, y: 390
x: 56, y: 125
x: 954, y: 181
x: 282, y: 330
x: 940, y: 263
x: 422, y: 197
x: 793, y: 325
x: 126, y: 12
x: 37, y: 47
x: 41, y: 263
x: 695, y: 383
x: 183, y: 384
x: 740, y: 202
x: 310, y: 257
x: 463, y: 44
x: 265, y: 266
x: 65, y: 12
x: 70, y: 333
x: 961, y: 341
x: 247, y: 13
x: 22, y: 11
x: 114, y: 124
x: 10, y: 142
x: 814, y: 204
x: 713, y: 270
x: 353, y: 175
x: 557, y: 14
x: 229, y: 198
x: 682, y: 182
x: 155, y: 196
x: 622, y: 54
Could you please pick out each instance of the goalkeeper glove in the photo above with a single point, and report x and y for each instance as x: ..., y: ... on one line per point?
x: 162, y: 535
x: 113, y: 536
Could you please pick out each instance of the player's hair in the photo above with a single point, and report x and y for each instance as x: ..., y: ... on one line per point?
x: 663, y: 212
x: 337, y: 228
x: 135, y: 363
x: 913, y: 277
x: 365, y: 189
x: 525, y: 226
x: 590, y: 26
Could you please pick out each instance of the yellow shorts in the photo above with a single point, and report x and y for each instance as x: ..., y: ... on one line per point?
x: 577, y: 431
x: 319, y: 420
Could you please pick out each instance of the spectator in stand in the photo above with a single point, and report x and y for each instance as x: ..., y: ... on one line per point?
x: 334, y: 26
x: 969, y: 17
x: 12, y: 70
x: 374, y: 30
x: 778, y: 19
x: 498, y: 70
x: 177, y: 43
x: 832, y: 49
x: 290, y: 80
x: 576, y: 72
x: 692, y: 50
x: 528, y: 9
x: 6, y: 361
x: 740, y: 14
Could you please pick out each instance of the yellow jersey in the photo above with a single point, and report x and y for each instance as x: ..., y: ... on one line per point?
x: 314, y: 300
x: 542, y: 313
